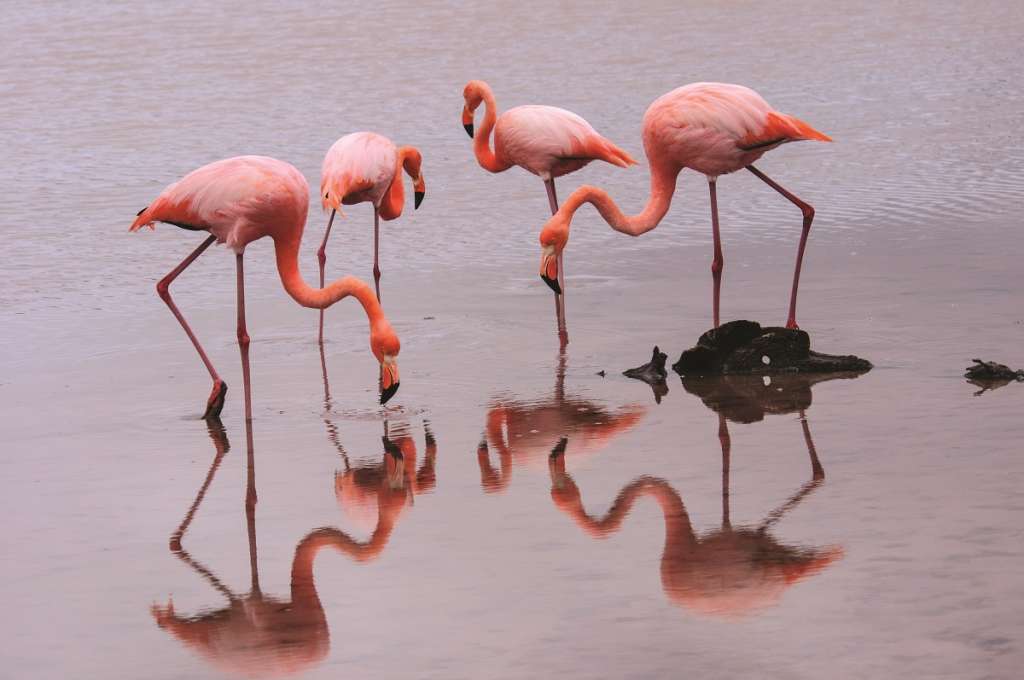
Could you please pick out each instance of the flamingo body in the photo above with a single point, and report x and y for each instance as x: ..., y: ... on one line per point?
x: 717, y: 128
x: 550, y: 142
x: 237, y: 200
x: 358, y: 168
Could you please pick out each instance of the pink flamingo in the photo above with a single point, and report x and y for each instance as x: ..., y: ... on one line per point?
x: 366, y: 167
x: 713, y: 128
x: 545, y: 140
x: 238, y: 200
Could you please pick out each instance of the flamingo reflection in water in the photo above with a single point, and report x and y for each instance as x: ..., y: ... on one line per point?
x: 732, y: 571
x: 525, y: 431
x: 256, y: 634
x: 374, y: 495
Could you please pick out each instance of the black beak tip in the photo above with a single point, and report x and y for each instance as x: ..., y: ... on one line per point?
x: 469, y: 129
x: 552, y: 284
x: 386, y: 395
x: 417, y: 199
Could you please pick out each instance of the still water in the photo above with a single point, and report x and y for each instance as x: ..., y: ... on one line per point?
x: 512, y: 513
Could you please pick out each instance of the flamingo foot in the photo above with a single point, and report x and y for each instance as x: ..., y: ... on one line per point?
x: 791, y: 324
x: 215, y: 404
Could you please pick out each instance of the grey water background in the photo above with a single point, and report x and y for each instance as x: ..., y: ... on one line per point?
x: 914, y: 262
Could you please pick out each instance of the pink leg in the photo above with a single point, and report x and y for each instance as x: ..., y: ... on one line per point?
x: 726, y: 442
x: 163, y: 288
x: 376, y: 251
x: 817, y: 471
x: 718, y: 263
x: 563, y: 335
x: 808, y: 213
x: 243, y: 337
x: 321, y: 256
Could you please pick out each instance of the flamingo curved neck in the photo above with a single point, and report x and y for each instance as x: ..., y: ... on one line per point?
x: 310, y: 546
x: 663, y: 186
x: 287, y: 255
x: 677, y: 521
x: 482, y: 140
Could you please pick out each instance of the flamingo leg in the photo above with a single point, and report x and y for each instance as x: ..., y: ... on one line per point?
x: 726, y: 442
x: 718, y: 263
x: 321, y: 256
x: 563, y: 335
x: 376, y: 250
x: 808, y: 213
x: 243, y: 339
x: 817, y: 471
x: 163, y: 288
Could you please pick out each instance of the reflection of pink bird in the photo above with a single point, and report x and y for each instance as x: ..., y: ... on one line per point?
x: 713, y: 128
x: 239, y: 200
x: 366, y: 167
x: 545, y: 140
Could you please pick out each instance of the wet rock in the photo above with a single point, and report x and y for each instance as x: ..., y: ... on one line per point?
x: 988, y: 375
x: 653, y: 373
x: 745, y: 347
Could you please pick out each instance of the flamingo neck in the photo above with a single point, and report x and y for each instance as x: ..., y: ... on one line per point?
x: 485, y: 156
x: 663, y: 186
x: 287, y: 253
x: 677, y: 521
x: 310, y: 546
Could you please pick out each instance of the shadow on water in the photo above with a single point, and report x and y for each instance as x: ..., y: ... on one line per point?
x: 257, y: 634
x: 732, y: 571
x: 522, y: 431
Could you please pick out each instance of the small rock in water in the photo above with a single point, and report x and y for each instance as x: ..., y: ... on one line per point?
x: 653, y: 373
x: 988, y: 375
x: 740, y: 347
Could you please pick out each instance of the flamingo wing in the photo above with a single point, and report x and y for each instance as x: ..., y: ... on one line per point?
x: 225, y: 196
x: 534, y: 136
x: 358, y: 162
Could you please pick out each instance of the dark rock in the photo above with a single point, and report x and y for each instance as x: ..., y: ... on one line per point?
x: 988, y: 375
x: 745, y: 347
x: 653, y: 373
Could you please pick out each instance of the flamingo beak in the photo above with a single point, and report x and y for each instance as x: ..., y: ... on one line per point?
x: 419, y: 192
x: 549, y: 269
x: 467, y: 121
x: 388, y: 380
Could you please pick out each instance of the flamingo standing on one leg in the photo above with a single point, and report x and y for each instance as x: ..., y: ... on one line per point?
x: 239, y: 200
x: 545, y: 140
x: 713, y: 128
x: 366, y: 167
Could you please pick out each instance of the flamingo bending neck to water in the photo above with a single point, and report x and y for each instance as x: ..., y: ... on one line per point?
x: 545, y: 140
x: 367, y: 167
x: 713, y: 128
x: 239, y: 200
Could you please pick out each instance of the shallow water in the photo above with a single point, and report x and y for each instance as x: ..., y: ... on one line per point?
x: 479, y: 556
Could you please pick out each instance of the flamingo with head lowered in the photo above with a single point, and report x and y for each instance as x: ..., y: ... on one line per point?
x: 239, y: 200
x: 367, y: 167
x: 545, y: 140
x: 713, y: 128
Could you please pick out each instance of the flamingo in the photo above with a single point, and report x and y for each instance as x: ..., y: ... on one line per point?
x: 238, y: 200
x: 366, y: 167
x: 544, y: 140
x: 713, y: 128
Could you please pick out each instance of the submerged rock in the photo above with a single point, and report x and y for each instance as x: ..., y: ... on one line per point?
x: 745, y: 347
x: 653, y: 373
x: 988, y: 375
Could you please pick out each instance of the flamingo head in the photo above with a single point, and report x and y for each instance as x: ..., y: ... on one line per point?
x: 553, y: 238
x: 473, y: 94
x: 385, y: 346
x: 419, y: 188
